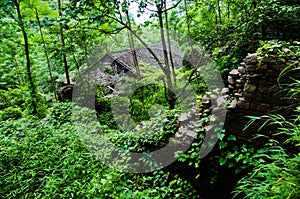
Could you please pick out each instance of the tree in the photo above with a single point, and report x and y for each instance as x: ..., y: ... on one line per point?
x: 108, y: 12
x: 46, y: 53
x: 132, y: 47
x: 62, y: 37
x: 32, y: 86
x: 161, y: 13
x: 169, y: 43
x: 33, y: 9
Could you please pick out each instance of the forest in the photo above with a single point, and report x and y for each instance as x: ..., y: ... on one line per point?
x: 150, y: 99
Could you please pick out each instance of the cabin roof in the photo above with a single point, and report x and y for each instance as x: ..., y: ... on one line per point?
x: 125, y: 58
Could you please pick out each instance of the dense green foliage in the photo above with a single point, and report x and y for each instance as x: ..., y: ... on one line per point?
x: 46, y: 44
x: 276, y: 173
x: 46, y: 158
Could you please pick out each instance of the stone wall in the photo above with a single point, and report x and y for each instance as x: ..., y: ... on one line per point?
x: 255, y: 90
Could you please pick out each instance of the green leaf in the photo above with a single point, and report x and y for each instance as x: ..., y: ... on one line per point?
x: 232, y: 138
x: 222, y: 161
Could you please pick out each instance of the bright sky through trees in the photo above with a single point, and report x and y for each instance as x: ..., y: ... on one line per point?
x: 133, y: 9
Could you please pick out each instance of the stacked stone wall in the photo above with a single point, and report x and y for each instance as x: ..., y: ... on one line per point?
x: 256, y: 88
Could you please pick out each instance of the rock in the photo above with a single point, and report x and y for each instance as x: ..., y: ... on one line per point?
x: 206, y: 111
x: 250, y: 68
x: 192, y: 134
x: 230, y: 80
x: 241, y: 69
x: 65, y: 93
x: 232, y: 104
x: 237, y: 95
x: 240, y: 81
x: 208, y: 128
x: 280, y: 67
x: 193, y: 110
x: 224, y: 91
x: 226, y: 97
x: 218, y: 110
x: 220, y: 100
x: 254, y: 76
x: 230, y: 87
x: 183, y: 117
x: 249, y: 88
x: 251, y: 58
x: 234, y: 72
x: 270, y: 59
x: 205, y: 99
x: 242, y: 99
x: 262, y: 66
x: 239, y: 85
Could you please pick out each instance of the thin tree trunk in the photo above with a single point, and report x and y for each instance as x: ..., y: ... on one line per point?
x: 171, y: 101
x: 46, y: 53
x: 32, y: 87
x: 189, y: 36
x: 170, y: 97
x: 76, y: 62
x: 62, y: 37
x: 219, y: 12
x: 216, y: 21
x: 165, y: 53
x: 228, y: 9
x: 18, y: 68
x: 188, y: 24
x: 132, y: 47
x: 169, y: 43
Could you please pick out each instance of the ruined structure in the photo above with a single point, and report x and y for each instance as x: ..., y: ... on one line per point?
x: 121, y: 62
x: 258, y: 88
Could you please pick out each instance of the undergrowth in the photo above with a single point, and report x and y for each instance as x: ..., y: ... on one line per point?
x: 45, y: 158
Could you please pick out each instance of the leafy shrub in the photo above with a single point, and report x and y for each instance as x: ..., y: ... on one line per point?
x: 60, y: 113
x: 46, y: 159
x: 12, y: 97
x: 10, y: 112
x: 277, y: 173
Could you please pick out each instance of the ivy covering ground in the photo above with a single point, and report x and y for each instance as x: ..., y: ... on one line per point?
x: 44, y: 158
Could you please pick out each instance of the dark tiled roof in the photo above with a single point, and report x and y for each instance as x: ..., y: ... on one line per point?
x: 125, y: 58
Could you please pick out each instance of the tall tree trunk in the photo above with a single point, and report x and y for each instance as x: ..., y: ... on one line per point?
x: 228, y: 9
x: 219, y: 12
x: 46, y: 53
x: 164, y: 46
x: 32, y: 87
x: 169, y: 43
x: 188, y: 24
x: 170, y: 98
x: 132, y: 47
x: 62, y: 37
x: 189, y: 37
x: 216, y: 22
